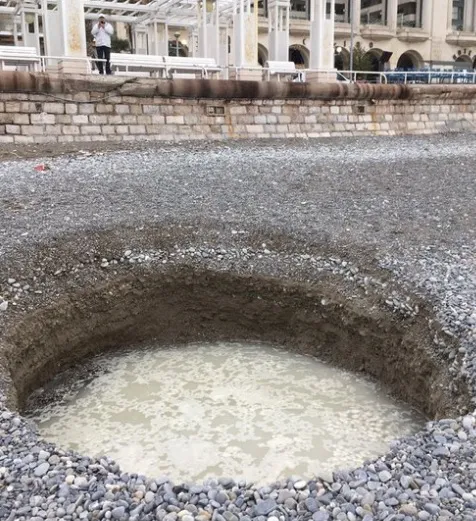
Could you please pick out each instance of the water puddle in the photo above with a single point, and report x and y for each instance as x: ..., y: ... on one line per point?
x: 249, y: 411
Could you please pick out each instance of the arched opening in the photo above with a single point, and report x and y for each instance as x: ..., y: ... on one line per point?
x: 463, y: 62
x: 410, y: 60
x: 299, y: 55
x: 262, y: 54
x: 372, y: 59
x: 342, y: 60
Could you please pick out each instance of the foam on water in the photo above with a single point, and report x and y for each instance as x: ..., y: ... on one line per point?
x: 247, y: 411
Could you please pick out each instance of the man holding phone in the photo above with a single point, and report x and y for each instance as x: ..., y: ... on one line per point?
x: 102, y: 32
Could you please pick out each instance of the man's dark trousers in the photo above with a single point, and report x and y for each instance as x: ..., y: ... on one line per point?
x: 104, y: 53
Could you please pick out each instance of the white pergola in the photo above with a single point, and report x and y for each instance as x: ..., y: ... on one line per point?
x: 209, y: 24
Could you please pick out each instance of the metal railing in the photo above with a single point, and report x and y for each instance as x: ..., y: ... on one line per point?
x: 431, y: 77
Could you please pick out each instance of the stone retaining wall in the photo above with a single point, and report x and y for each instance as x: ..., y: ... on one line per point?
x: 37, y: 108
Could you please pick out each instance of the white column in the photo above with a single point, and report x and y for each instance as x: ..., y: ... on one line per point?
x: 468, y: 15
x: 46, y: 26
x: 157, y: 33
x: 322, y: 42
x: 245, y: 41
x: 73, y: 35
x: 427, y: 15
x: 278, y: 30
x: 392, y: 13
x: 449, y: 14
x: 356, y: 5
x: 318, y: 16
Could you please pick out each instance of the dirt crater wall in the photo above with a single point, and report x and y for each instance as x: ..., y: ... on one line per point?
x: 187, y: 304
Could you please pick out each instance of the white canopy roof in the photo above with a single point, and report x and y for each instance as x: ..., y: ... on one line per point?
x: 174, y: 12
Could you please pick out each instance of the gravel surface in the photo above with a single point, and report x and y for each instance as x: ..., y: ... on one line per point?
x: 386, y: 210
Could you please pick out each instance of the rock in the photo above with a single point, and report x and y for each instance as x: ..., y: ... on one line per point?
x: 409, y: 510
x: 118, y: 512
x: 263, y: 508
x: 42, y: 469
x: 3, y: 305
x: 384, y: 476
x: 320, y: 516
x: 149, y: 497
x: 311, y: 504
x: 299, y: 485
x: 285, y: 494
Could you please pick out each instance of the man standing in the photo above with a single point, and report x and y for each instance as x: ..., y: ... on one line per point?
x: 102, y: 32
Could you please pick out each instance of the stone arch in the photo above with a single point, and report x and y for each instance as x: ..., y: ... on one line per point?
x: 410, y: 60
x: 464, y: 59
x: 373, y: 58
x: 262, y: 54
x: 299, y: 55
x: 342, y: 60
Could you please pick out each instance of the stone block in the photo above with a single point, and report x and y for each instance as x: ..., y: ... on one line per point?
x: 144, y: 120
x: 12, y: 106
x: 64, y: 119
x: 122, y: 109
x: 33, y: 130
x: 71, y: 108
x: 28, y: 107
x: 71, y: 130
x: 175, y: 120
x: 96, y: 119
x: 82, y: 96
x: 108, y: 129
x: 114, y: 120
x: 234, y: 110
x: 255, y: 129
x: 136, y: 109
x: 52, y: 130
x: 129, y: 120
x: 53, y: 108
x: 122, y: 129
x: 43, y: 119
x: 137, y: 129
x: 104, y: 108
x: 65, y: 139
x: 21, y: 119
x: 12, y: 129
x: 90, y: 129
x: 24, y: 140
x: 80, y: 119
x: 87, y: 108
x: 6, y: 118
x: 6, y: 139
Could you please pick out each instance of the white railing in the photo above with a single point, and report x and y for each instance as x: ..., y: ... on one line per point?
x: 430, y: 76
x: 89, y: 61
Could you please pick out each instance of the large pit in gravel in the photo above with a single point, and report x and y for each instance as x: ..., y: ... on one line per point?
x: 174, y: 305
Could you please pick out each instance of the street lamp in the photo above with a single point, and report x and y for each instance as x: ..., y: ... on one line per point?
x: 177, y: 36
x: 351, y: 20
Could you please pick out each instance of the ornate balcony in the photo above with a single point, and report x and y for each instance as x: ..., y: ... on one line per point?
x: 461, y: 38
x: 376, y: 32
x: 412, y: 34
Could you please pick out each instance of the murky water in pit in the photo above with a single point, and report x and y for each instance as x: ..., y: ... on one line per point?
x: 253, y: 412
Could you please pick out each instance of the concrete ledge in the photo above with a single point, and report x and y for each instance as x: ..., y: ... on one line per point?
x: 222, y: 89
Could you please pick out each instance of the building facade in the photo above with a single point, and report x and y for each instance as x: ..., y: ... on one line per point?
x: 407, y: 34
x: 417, y: 33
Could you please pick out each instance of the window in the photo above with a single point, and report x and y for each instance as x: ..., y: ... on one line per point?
x: 457, y: 21
x: 343, y: 11
x: 409, y: 13
x: 373, y: 12
x: 300, y: 9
